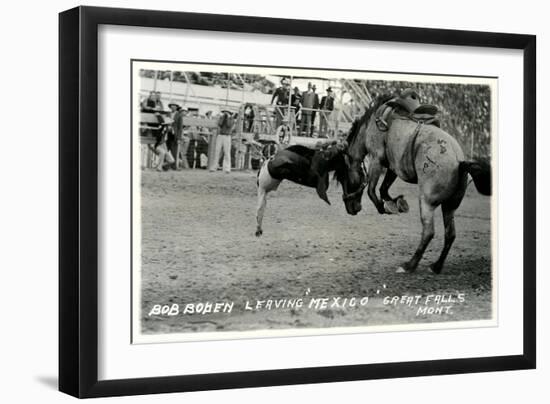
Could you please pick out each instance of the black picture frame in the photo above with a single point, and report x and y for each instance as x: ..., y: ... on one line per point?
x: 78, y: 200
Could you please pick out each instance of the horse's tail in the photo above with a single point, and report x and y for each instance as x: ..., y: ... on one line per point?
x: 480, y: 172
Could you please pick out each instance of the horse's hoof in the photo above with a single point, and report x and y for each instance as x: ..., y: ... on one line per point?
x: 402, y: 204
x: 400, y: 270
x: 436, y: 268
x: 259, y: 233
x: 391, y: 208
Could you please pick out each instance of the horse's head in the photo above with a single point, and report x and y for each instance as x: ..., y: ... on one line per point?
x: 348, y: 170
x: 351, y: 174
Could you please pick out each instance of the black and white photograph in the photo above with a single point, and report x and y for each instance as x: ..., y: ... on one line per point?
x: 271, y: 203
x: 283, y: 201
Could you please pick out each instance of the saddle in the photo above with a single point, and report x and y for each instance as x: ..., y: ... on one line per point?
x: 408, y: 106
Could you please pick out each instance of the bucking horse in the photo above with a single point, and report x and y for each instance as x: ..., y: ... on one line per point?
x: 402, y: 136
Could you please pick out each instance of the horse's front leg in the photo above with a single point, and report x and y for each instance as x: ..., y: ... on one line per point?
x: 389, y: 179
x: 392, y: 205
x: 374, y: 170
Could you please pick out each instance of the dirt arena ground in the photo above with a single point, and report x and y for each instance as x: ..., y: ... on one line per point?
x: 198, y: 246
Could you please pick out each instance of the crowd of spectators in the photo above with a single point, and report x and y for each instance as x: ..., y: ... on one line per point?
x: 181, y: 144
x: 464, y: 110
x: 223, y: 80
x: 304, y: 107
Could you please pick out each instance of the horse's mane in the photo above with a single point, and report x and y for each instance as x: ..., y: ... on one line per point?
x: 364, y: 119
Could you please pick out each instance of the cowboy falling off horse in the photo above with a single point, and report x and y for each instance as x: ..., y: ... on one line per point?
x: 402, y: 136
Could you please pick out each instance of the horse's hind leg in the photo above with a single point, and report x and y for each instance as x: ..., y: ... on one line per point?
x: 266, y: 183
x: 427, y: 218
x: 260, y: 209
x: 450, y: 235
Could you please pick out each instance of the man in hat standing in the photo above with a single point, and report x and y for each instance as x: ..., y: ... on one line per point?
x: 310, y: 101
x: 281, y: 95
x: 327, y: 106
x: 226, y: 126
x: 181, y: 143
x: 296, y: 102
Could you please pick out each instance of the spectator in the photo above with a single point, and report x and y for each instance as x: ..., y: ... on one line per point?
x: 281, y: 96
x: 226, y: 126
x: 240, y: 151
x: 154, y: 105
x: 296, y: 102
x: 248, y: 121
x: 149, y: 104
x: 158, y: 102
x: 181, y: 140
x: 160, y: 149
x: 327, y: 106
x: 315, y: 108
x: 309, y: 101
x: 198, y: 146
